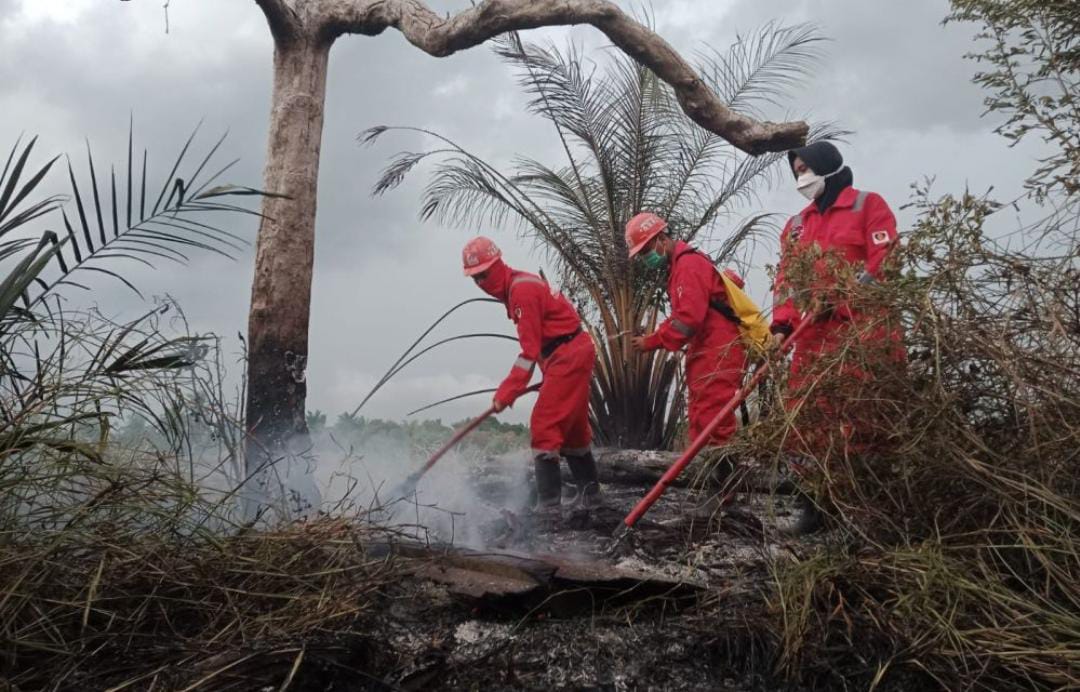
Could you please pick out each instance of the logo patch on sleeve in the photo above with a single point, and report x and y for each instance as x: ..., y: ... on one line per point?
x: 517, y: 313
x: 880, y: 237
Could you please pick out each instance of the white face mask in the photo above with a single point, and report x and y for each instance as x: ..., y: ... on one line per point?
x: 811, y: 185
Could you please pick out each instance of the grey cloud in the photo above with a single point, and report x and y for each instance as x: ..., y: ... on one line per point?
x: 892, y: 73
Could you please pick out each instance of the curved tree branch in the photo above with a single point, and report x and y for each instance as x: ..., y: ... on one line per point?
x: 283, y: 21
x: 443, y: 36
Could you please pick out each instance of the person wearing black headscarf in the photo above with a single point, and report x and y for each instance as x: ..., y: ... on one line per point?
x: 823, y: 159
x: 841, y: 227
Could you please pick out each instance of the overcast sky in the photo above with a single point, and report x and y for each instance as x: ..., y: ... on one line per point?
x: 76, y: 69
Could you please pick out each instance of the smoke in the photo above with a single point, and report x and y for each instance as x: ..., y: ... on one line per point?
x: 459, y: 501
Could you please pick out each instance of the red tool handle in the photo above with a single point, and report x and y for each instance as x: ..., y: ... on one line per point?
x: 473, y: 424
x: 681, y: 463
x: 456, y: 438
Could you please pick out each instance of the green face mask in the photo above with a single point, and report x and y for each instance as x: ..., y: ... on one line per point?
x: 655, y: 260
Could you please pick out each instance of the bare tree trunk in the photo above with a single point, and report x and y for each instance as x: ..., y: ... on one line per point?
x: 281, y: 292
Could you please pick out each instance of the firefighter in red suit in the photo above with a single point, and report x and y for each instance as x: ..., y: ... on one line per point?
x: 549, y: 331
x: 850, y: 233
x: 701, y: 320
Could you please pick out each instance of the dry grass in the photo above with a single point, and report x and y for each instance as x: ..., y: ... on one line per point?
x: 145, y: 586
x: 122, y: 568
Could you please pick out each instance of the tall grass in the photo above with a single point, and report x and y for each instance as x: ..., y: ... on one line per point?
x: 123, y: 566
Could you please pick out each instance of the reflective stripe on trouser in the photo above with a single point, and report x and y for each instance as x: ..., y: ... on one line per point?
x: 560, y: 417
x: 713, y: 376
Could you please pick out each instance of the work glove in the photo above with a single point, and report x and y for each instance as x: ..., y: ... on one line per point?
x: 645, y: 343
x: 779, y: 331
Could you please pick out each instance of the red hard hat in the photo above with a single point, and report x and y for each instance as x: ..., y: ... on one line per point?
x: 641, y: 229
x: 479, y: 254
x: 735, y: 278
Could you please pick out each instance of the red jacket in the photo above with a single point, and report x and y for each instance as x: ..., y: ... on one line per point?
x: 693, y: 283
x: 541, y: 315
x: 859, y: 227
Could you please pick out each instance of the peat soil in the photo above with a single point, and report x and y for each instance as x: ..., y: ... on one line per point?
x: 676, y: 605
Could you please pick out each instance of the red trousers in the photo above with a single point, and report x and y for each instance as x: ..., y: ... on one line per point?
x: 834, y: 387
x: 713, y: 376
x: 560, y: 417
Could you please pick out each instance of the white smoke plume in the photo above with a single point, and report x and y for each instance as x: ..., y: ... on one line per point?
x: 460, y: 497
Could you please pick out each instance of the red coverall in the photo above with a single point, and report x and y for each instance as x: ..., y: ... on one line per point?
x: 858, y: 228
x: 715, y: 357
x: 550, y: 334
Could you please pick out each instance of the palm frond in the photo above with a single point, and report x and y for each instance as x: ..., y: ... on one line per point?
x: 765, y: 67
x: 111, y: 224
x: 427, y: 349
x: 741, y: 243
x: 182, y: 352
x: 466, y: 189
x: 628, y: 147
x: 412, y: 347
x: 760, y: 69
x: 458, y: 397
x: 18, y: 280
x: 565, y: 92
x: 14, y: 190
x: 562, y: 89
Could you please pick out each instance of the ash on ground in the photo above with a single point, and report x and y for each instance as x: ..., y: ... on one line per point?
x: 571, y: 608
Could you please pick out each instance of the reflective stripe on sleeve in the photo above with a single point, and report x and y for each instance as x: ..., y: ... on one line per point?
x: 681, y: 328
x: 527, y: 280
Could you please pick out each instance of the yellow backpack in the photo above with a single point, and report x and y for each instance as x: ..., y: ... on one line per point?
x: 752, y: 325
x: 740, y: 309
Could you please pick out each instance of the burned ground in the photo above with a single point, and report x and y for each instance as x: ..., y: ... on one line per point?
x: 672, y: 607
x: 346, y: 604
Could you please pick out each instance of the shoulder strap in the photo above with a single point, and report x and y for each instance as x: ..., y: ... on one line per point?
x: 686, y: 251
x: 719, y: 305
x: 860, y: 200
x: 725, y: 310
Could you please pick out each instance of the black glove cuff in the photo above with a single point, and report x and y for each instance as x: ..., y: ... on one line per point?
x: 781, y: 328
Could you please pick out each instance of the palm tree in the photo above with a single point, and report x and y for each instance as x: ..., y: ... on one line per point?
x: 628, y: 147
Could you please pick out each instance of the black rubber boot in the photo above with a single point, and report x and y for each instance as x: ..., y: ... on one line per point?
x: 811, y: 518
x: 586, y: 479
x: 548, y: 509
x: 723, y: 467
